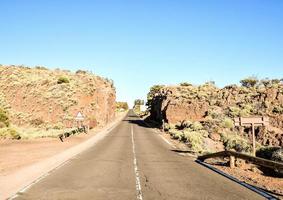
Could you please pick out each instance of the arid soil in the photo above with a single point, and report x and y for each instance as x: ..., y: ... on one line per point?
x: 16, y: 154
x: 245, y: 172
x: 45, y: 98
x: 250, y: 174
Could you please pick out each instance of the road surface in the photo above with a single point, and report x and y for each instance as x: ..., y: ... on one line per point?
x: 133, y: 162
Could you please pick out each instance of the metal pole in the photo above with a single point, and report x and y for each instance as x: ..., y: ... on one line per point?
x: 253, y: 132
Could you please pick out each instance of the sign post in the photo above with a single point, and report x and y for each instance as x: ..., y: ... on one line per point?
x: 252, y: 122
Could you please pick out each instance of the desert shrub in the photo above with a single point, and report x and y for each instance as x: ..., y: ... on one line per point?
x: 81, y: 72
x: 186, y: 84
x: 122, y: 105
x: 227, y: 123
x: 58, y: 126
x: 9, y: 133
x: 234, y: 111
x: 278, y: 109
x: 41, y: 68
x: 196, y: 126
x: 175, y: 134
x: 194, y: 140
x: 277, y: 155
x: 266, y: 152
x: 249, y: 82
x: 4, y: 119
x: 62, y: 79
x: 186, y: 123
x: 233, y: 141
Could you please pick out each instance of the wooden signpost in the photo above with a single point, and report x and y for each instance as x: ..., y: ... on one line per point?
x: 252, y: 122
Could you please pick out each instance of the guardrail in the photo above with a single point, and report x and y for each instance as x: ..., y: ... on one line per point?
x: 82, y: 129
x: 256, y: 160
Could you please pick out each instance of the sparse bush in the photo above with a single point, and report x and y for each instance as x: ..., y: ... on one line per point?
x: 185, y: 84
x: 9, y: 133
x: 58, y: 126
x: 194, y: 140
x: 266, y: 152
x: 175, y: 134
x: 249, y: 82
x: 234, y: 111
x: 227, y: 123
x: 41, y: 68
x: 62, y: 79
x: 4, y: 119
x: 196, y: 126
x: 81, y: 72
x: 235, y: 142
x: 277, y: 155
x: 278, y: 109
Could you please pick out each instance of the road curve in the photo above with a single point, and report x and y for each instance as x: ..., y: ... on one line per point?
x: 133, y: 162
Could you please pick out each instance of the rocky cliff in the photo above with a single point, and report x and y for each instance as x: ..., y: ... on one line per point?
x: 216, y: 107
x: 40, y: 97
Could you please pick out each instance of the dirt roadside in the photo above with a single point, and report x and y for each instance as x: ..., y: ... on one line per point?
x: 244, y: 172
x: 22, y: 162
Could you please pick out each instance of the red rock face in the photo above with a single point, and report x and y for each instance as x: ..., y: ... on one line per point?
x: 179, y: 112
x: 31, y: 95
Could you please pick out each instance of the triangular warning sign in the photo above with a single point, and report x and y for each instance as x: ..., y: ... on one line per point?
x: 79, y: 116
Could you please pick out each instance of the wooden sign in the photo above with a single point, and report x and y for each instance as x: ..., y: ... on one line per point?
x: 252, y: 122
x: 249, y: 121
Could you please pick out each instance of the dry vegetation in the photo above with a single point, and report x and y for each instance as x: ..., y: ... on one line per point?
x: 205, y: 115
x: 37, y: 102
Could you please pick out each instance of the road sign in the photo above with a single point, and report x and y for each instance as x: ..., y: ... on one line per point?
x: 252, y: 122
x: 79, y: 117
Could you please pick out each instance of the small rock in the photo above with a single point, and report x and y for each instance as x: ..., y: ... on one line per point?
x: 214, y: 136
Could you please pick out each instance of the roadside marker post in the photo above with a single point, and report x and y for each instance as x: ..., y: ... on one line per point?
x: 252, y: 122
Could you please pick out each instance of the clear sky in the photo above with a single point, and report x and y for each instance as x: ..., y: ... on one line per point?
x: 138, y: 43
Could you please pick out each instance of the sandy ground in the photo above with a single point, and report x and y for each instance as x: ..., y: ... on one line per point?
x: 17, y: 154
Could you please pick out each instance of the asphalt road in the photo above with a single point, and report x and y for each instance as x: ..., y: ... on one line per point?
x: 133, y: 162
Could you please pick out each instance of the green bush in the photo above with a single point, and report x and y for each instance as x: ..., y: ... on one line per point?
x: 196, y: 126
x: 185, y: 84
x: 227, y: 123
x: 8, y: 133
x: 194, y: 140
x: 277, y: 155
x: 4, y: 119
x: 175, y: 134
x: 63, y: 79
x: 233, y: 141
x: 249, y: 82
x: 266, y: 152
x: 278, y: 109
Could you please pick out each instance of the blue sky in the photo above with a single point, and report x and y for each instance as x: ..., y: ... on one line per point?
x: 146, y: 42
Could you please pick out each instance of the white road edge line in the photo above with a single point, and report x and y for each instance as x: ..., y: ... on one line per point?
x: 26, y: 188
x: 138, y: 182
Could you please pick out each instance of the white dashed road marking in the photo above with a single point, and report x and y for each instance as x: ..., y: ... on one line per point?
x: 138, y: 182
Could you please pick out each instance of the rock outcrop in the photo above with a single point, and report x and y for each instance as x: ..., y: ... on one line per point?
x: 213, y: 106
x: 51, y: 98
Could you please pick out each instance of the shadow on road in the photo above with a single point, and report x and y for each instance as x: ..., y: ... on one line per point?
x: 142, y: 123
